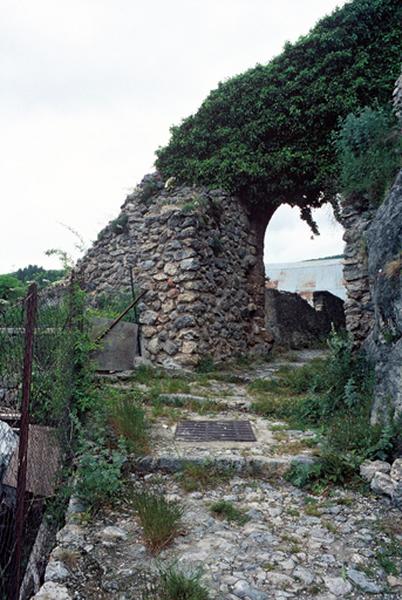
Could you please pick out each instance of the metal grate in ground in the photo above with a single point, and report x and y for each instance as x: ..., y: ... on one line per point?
x: 214, y: 431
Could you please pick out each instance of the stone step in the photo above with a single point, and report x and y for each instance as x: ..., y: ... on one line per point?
x: 257, y: 465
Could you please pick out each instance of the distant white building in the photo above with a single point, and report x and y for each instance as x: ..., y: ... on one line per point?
x: 308, y: 276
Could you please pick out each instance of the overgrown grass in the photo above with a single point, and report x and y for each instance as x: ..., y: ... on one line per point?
x: 176, y: 585
x: 226, y: 510
x: 333, y: 395
x: 203, y: 476
x: 128, y: 419
x: 160, y: 519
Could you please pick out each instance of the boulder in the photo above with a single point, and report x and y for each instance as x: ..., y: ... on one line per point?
x: 370, y: 467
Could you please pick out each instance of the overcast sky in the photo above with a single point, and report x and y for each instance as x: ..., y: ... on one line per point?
x: 88, y: 91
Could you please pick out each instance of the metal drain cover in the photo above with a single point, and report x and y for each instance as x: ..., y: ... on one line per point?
x: 215, y: 431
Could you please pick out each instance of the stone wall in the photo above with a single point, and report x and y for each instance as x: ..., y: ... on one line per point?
x: 356, y: 219
x: 295, y: 324
x: 373, y: 276
x: 196, y: 253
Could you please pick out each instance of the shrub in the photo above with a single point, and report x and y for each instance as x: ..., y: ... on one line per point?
x: 369, y: 152
x: 160, y: 519
x: 99, y: 473
x: 226, y: 510
x: 11, y: 288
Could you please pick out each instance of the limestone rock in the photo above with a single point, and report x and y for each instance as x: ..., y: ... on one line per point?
x: 338, y: 586
x: 396, y: 470
x: 382, y: 484
x: 370, y: 467
x: 361, y: 580
x: 52, y: 591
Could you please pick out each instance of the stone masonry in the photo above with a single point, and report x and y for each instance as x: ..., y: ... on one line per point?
x: 359, y: 312
x: 196, y: 254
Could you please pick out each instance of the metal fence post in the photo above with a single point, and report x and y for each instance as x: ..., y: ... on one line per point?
x: 31, y: 302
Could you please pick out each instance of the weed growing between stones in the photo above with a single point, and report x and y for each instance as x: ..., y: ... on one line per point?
x: 389, y: 556
x: 226, y: 510
x: 176, y: 585
x: 160, y: 519
x: 203, y: 476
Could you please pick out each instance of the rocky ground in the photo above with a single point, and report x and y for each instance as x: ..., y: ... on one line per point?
x: 284, y: 543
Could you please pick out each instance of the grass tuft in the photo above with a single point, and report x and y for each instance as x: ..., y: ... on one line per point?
x: 128, y: 420
x: 226, y: 510
x: 160, y: 519
x: 176, y: 585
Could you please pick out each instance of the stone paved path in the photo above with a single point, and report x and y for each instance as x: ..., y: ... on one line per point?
x: 291, y: 545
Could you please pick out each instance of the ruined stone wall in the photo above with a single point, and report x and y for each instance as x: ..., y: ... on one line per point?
x: 373, y: 277
x: 195, y: 252
x: 356, y: 219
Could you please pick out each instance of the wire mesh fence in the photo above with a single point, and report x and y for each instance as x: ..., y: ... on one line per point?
x: 38, y: 338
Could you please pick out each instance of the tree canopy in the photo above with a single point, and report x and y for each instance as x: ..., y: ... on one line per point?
x: 267, y: 134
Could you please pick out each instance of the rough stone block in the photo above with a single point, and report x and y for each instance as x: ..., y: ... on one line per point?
x: 118, y: 348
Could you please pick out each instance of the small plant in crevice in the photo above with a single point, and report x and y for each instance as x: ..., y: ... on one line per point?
x: 226, y: 510
x: 206, y: 365
x: 120, y: 224
x: 174, y: 584
x: 148, y: 189
x: 160, y: 519
x: 389, y: 556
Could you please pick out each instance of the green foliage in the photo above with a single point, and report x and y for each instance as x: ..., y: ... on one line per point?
x: 206, y: 365
x: 227, y: 511
x: 267, y: 134
x: 203, y: 476
x: 119, y: 225
x: 99, y: 473
x: 43, y: 277
x: 128, y: 420
x: 389, y: 556
x: 160, y: 519
x: 11, y: 289
x: 335, y: 395
x: 110, y: 306
x: 369, y: 151
x: 175, y: 585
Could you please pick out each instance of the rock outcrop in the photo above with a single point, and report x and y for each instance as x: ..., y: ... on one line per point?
x: 384, y: 345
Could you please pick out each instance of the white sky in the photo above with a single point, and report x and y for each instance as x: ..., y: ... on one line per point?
x: 88, y: 91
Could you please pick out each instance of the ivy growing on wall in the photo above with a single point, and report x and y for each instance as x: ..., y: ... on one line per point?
x: 267, y: 134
